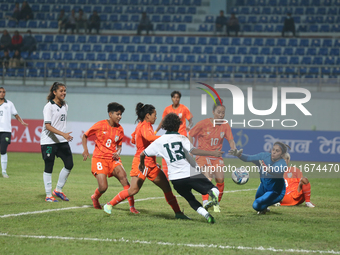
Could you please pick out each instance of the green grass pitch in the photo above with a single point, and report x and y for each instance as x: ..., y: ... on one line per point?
x: 81, y: 229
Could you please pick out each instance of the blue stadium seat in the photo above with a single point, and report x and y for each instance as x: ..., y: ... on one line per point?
x: 276, y: 51
x: 190, y: 59
x: 209, y: 19
x: 311, y: 52
x: 271, y: 60
x: 330, y: 61
x: 300, y: 51
x: 283, y: 60
x: 248, y: 60
x: 163, y: 49
x: 327, y: 43
x: 323, y: 52
x: 317, y: 61
x: 325, y: 28
x: 174, y: 49
x: 288, y: 51
x: 108, y: 48
x: 46, y: 56
x: 306, y: 60
x: 32, y: 24
x: 270, y: 42
x: 231, y: 50
x: 202, y: 59
x: 258, y: 42
x: 332, y: 11
x: 181, y: 27
x: 112, y: 57
x: 316, y: 43
x: 86, y: 47
x: 334, y: 52
x: 265, y: 51
x: 313, y: 70
x: 255, y: 10
x: 53, y: 47
x: 124, y: 57
x: 196, y: 49
x: 335, y: 28
x: 259, y: 60
x: 269, y: 28
x: 252, y: 20
x: 220, y: 69
x: 242, y: 50
x: 208, y: 50
x: 187, y: 19
x: 191, y: 40
x: 179, y: 58
x: 225, y: 59
x: 97, y: 48
x: 236, y: 60
x: 314, y: 28
x: 202, y: 41
x: 152, y: 49
x: 157, y: 58
x: 254, y: 51
x: 101, y: 57
x: 212, y: 59
x: 224, y: 41
x: 168, y: 58
x: 79, y: 56
x: 135, y: 57
x: 56, y: 56
x: 130, y: 48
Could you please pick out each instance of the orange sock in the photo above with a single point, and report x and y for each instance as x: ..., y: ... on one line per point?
x: 172, y: 201
x: 120, y: 197
x: 220, y: 187
x: 205, y: 197
x: 165, y: 168
x: 130, y: 199
x: 97, y: 194
x: 306, y: 191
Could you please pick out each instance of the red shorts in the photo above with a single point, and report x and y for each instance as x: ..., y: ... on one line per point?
x: 151, y: 171
x: 104, y: 166
x: 293, y: 198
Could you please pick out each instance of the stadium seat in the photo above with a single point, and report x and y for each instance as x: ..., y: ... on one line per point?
x: 283, y: 60
x: 288, y: 51
x: 168, y: 58
x: 179, y: 58
x: 317, y: 61
x: 174, y: 49
x: 248, y: 60
x: 202, y: 59
x: 236, y: 60
x: 212, y: 59
x: 265, y: 51
x: 294, y: 60
x: 306, y: 61
x: 334, y: 52
x: 300, y: 51
x: 259, y: 60
x: 231, y: 51
x: 112, y: 57
x: 242, y: 51
x: 323, y: 52
x: 97, y: 48
x: 270, y: 42
x: 225, y: 59
x: 330, y: 61
x: 190, y: 59
x: 271, y: 60
x: 276, y: 51
x: 152, y: 49
x: 311, y: 52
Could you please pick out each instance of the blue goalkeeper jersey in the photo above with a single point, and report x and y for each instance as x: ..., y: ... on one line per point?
x: 272, y: 179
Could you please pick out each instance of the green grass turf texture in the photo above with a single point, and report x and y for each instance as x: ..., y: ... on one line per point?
x: 238, y: 224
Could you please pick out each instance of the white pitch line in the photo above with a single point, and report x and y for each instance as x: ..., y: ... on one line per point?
x: 90, y: 206
x: 260, y: 248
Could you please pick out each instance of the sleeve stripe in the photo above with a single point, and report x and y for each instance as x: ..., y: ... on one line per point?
x: 48, y: 122
x: 146, y: 153
x: 191, y: 149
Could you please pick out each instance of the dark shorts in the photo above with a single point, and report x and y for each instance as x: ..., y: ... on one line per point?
x: 5, y: 137
x: 199, y: 182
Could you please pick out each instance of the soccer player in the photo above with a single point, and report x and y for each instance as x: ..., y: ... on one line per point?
x: 297, y: 186
x: 54, y: 141
x: 7, y: 109
x: 210, y: 136
x: 143, y: 137
x: 183, y: 113
x: 106, y: 161
x: 174, y: 148
x: 272, y: 166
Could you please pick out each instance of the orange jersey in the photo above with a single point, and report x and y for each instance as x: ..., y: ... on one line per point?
x: 183, y: 113
x: 292, y: 178
x: 107, y: 138
x: 143, y: 137
x: 211, y: 138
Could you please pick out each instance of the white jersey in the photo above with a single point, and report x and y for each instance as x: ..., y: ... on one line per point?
x: 7, y: 109
x: 174, y: 148
x: 56, y: 116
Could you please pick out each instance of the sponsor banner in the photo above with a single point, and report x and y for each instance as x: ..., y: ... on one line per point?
x: 27, y: 139
x: 323, y: 146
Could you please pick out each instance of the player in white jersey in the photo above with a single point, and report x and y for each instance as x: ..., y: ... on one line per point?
x: 7, y: 109
x: 54, y: 141
x: 182, y: 169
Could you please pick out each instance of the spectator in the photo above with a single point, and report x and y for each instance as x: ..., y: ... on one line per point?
x: 289, y: 25
x: 5, y: 59
x: 29, y: 43
x: 16, y: 41
x: 94, y: 22
x: 71, y: 22
x: 220, y: 22
x: 62, y: 20
x: 26, y: 11
x: 16, y: 60
x: 233, y: 24
x: 16, y: 12
x: 81, y: 21
x: 144, y: 24
x: 5, y: 41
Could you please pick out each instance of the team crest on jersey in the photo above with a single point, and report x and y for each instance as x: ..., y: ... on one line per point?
x: 290, y: 175
x: 222, y: 134
x: 180, y: 115
x: 116, y: 138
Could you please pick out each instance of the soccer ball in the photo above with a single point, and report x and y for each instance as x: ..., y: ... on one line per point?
x: 240, y: 176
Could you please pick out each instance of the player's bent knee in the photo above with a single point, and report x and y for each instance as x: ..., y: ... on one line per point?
x: 304, y: 180
x: 69, y: 166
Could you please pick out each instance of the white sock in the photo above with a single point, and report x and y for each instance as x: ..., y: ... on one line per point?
x: 64, y: 173
x: 48, y: 184
x: 203, y: 212
x: 4, y: 162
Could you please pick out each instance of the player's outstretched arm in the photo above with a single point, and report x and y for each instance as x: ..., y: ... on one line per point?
x: 159, y: 126
x: 85, y: 153
x: 235, y: 152
x: 200, y: 152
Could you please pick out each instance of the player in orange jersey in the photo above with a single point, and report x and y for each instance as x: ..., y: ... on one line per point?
x: 106, y: 161
x: 143, y: 137
x: 211, y: 137
x: 297, y: 186
x: 183, y: 113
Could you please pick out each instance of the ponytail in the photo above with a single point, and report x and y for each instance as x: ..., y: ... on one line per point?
x: 142, y: 110
x: 53, y: 88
